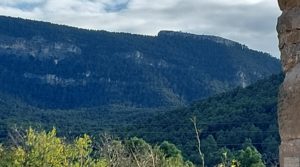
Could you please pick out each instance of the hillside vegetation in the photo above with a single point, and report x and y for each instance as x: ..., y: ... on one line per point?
x: 229, y: 121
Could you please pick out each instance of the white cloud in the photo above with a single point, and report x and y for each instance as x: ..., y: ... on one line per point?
x: 251, y: 22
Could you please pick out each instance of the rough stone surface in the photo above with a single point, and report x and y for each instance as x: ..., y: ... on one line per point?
x: 288, y: 4
x: 289, y: 20
x: 289, y: 113
x: 289, y: 101
x: 289, y: 153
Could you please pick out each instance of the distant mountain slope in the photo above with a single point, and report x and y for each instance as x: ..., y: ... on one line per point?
x: 226, y: 120
x: 54, y: 66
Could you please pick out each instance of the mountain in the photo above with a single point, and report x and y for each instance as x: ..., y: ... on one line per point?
x: 227, y: 120
x: 61, y: 67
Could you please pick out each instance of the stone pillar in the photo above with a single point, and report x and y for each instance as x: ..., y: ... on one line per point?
x: 289, y: 99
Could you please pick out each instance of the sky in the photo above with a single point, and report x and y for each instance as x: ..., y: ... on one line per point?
x: 250, y: 22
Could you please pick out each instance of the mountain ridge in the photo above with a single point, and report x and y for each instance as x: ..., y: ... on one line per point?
x: 54, y: 66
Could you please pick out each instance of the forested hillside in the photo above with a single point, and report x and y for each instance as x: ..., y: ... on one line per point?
x: 228, y: 122
x: 61, y: 67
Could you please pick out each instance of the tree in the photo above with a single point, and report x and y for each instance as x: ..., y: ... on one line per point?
x: 169, y: 149
x: 250, y: 157
x: 227, y: 158
x: 136, y: 152
x: 173, y: 156
x: 197, y: 131
x: 270, y: 148
x: 210, y: 149
x: 46, y: 149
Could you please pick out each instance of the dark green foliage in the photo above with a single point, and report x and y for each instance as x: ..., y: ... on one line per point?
x: 169, y: 149
x: 226, y: 120
x: 210, y: 149
x: 97, y: 68
x: 250, y: 157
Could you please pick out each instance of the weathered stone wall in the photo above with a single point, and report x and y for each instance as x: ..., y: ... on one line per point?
x: 289, y: 102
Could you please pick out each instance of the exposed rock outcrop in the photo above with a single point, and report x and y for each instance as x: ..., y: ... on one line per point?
x: 289, y: 104
x: 37, y: 47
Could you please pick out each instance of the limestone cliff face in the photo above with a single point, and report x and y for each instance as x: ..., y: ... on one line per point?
x: 289, y: 104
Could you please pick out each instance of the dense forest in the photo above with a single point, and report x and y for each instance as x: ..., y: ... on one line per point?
x: 229, y: 122
x: 61, y: 67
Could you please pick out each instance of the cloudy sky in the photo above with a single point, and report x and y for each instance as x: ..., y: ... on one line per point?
x: 250, y: 22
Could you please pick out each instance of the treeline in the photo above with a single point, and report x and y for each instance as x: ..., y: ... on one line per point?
x: 36, y: 149
x: 41, y: 148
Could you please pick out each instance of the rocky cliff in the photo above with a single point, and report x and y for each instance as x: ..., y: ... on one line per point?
x: 289, y: 104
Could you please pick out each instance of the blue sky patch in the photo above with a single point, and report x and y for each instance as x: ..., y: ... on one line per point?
x: 25, y: 6
x: 116, y: 6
